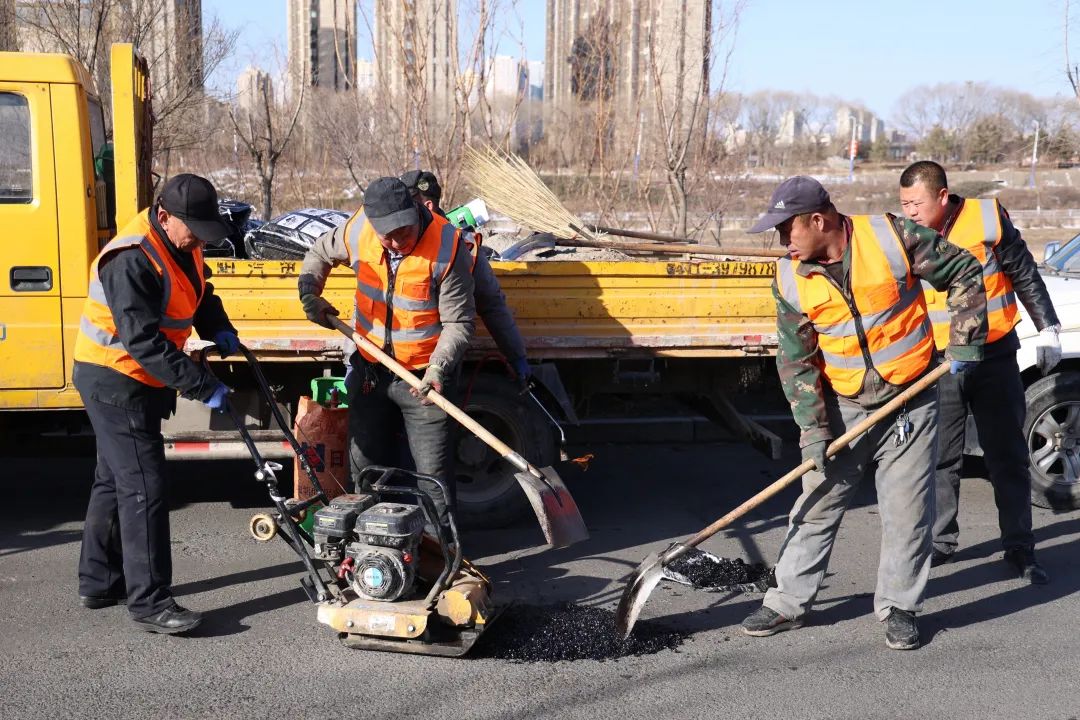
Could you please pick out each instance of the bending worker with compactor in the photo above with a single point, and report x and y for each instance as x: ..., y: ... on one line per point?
x: 853, y: 331
x: 414, y: 299
x: 148, y: 288
x: 491, y: 304
x: 993, y: 392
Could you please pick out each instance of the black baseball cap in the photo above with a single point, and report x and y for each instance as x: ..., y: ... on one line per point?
x: 794, y: 196
x: 194, y: 200
x: 388, y: 205
x: 423, y: 182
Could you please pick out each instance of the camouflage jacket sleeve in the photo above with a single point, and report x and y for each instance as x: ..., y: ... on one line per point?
x: 948, y: 268
x: 798, y: 363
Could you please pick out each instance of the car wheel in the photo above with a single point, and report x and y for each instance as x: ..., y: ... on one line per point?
x: 1052, y: 429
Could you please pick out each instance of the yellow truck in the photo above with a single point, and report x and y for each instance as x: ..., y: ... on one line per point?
x: 593, y: 330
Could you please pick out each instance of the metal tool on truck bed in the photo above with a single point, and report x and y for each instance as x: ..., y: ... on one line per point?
x: 383, y: 570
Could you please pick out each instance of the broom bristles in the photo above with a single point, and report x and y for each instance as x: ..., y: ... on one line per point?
x: 509, y: 185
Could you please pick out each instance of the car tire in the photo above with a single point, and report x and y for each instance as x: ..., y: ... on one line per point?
x: 488, y: 494
x: 1052, y: 432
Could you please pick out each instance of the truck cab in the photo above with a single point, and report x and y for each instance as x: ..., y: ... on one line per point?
x: 55, y: 205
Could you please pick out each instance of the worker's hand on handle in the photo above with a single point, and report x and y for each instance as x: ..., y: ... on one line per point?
x: 433, y: 380
x: 956, y: 367
x: 523, y: 372
x: 1048, y: 349
x: 227, y: 342
x: 316, y: 308
x: 816, y: 451
x: 217, y: 400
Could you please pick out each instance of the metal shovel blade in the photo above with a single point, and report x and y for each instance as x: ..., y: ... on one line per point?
x: 555, y: 508
x: 646, y: 577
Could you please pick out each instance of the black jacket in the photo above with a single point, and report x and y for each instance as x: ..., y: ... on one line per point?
x: 134, y: 291
x: 1023, y: 272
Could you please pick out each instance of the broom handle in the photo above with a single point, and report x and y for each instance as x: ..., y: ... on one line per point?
x: 666, y: 248
x: 836, y: 446
x: 505, y: 451
x: 639, y: 234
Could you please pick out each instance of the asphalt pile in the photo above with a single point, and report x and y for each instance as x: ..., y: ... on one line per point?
x: 569, y: 632
x: 705, y: 570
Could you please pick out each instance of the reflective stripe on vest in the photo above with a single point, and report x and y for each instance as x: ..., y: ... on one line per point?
x: 977, y: 229
x: 414, y: 325
x: 98, y: 341
x: 891, y: 325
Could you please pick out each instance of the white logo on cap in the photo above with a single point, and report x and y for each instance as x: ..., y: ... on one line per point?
x: 779, y: 205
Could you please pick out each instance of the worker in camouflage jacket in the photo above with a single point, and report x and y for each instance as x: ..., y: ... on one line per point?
x: 853, y: 332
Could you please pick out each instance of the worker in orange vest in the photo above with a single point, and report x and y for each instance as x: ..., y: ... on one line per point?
x: 853, y: 332
x: 414, y: 300
x: 148, y: 289
x: 993, y: 393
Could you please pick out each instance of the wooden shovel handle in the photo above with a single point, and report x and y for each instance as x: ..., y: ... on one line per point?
x: 836, y: 446
x: 504, y: 450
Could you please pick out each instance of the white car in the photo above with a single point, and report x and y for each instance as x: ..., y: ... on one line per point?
x: 1052, y: 427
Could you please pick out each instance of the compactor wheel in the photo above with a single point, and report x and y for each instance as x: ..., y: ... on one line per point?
x: 263, y: 527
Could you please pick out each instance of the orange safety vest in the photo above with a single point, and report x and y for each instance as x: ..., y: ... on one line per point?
x: 405, y: 316
x: 888, y: 327
x: 98, y: 343
x: 977, y: 229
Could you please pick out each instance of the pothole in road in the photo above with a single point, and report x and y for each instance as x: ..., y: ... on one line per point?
x: 569, y: 632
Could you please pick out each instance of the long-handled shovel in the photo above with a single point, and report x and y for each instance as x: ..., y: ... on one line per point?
x: 651, y: 570
x: 551, y: 501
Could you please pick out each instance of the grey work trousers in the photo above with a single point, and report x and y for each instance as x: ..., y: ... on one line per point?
x: 994, y: 394
x: 376, y: 418
x: 904, y: 477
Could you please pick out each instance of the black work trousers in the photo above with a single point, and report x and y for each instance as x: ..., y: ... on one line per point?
x: 125, y: 547
x: 379, y: 412
x: 994, y: 394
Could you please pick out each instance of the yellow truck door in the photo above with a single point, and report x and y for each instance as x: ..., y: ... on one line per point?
x: 31, y: 339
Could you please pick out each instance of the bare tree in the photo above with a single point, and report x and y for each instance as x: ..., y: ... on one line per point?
x: 9, y: 39
x: 265, y: 132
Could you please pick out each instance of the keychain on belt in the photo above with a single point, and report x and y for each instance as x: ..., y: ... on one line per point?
x: 903, y: 427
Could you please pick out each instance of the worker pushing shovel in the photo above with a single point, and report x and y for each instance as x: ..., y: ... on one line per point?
x: 413, y: 318
x: 854, y: 334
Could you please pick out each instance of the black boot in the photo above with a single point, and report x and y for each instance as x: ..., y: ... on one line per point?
x: 170, y: 621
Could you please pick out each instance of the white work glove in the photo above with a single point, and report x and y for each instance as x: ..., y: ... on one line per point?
x: 1048, y: 349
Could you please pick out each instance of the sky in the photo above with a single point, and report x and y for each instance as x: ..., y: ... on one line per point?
x: 858, y: 50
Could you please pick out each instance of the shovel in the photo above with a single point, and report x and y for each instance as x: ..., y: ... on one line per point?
x: 551, y: 501
x: 651, y: 570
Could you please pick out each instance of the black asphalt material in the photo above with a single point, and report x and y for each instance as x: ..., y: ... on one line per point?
x: 708, y: 571
x: 553, y: 633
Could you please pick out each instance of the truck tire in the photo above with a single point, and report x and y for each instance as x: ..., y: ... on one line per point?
x: 488, y: 495
x: 1052, y: 430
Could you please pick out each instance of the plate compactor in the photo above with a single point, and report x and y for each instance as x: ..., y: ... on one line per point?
x: 395, y: 576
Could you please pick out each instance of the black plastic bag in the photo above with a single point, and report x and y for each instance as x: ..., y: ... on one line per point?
x: 289, y: 236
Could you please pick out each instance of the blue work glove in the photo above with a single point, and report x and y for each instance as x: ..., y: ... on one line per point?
x: 522, y: 370
x: 227, y: 342
x: 217, y: 400
x: 816, y: 451
x: 961, y: 366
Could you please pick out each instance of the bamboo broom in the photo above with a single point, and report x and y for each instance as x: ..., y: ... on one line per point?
x: 509, y: 185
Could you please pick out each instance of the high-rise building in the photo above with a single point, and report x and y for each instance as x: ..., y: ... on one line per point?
x: 507, y: 77
x: 415, y: 45
x: 168, y: 33
x: 617, y: 50
x: 251, y: 86
x: 171, y: 40
x: 322, y: 44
